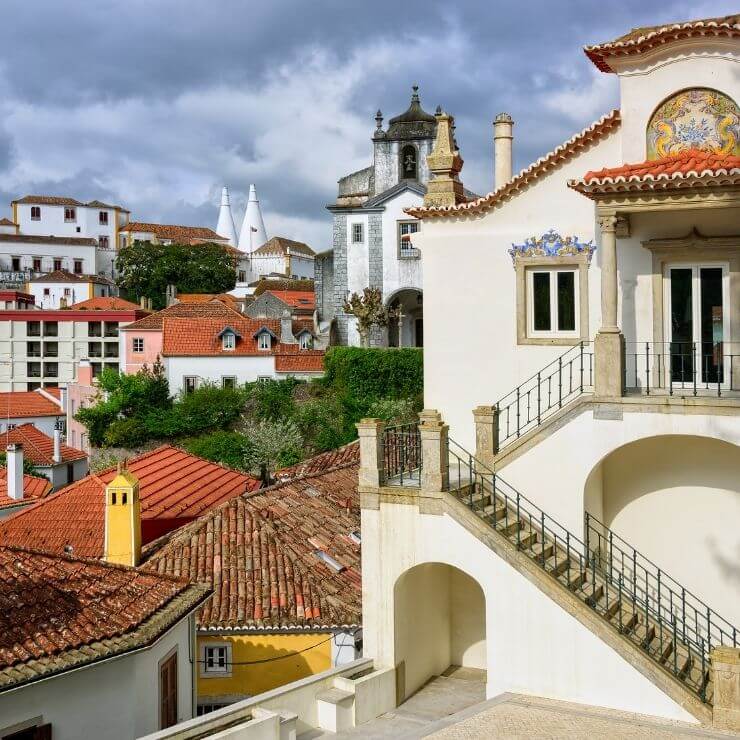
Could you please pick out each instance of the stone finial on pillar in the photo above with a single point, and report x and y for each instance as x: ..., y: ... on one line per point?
x: 445, y: 163
x: 726, y: 680
x: 371, y: 476
x: 435, y: 461
x: 486, y: 433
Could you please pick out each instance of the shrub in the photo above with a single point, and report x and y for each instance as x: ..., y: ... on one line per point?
x: 227, y: 448
x: 375, y: 373
x: 325, y: 423
x: 394, y: 410
x: 273, y: 444
x: 272, y: 399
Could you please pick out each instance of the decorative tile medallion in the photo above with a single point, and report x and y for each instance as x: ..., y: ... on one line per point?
x: 551, y: 244
x: 701, y: 119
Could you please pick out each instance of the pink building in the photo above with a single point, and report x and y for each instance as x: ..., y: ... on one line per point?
x: 80, y: 394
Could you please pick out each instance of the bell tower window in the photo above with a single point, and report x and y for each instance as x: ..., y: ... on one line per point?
x: 409, y: 164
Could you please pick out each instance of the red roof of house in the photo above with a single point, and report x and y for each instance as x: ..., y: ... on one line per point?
x: 174, y: 231
x: 639, y: 40
x: 260, y: 553
x: 105, y: 303
x: 174, y: 488
x: 24, y: 404
x: 182, y: 310
x: 348, y: 454
x: 37, y: 446
x: 690, y: 168
x: 57, y: 614
x: 305, y: 299
x: 226, y: 298
x: 306, y: 362
x: 34, y: 487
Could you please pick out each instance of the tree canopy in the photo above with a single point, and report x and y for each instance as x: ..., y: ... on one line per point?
x: 146, y: 269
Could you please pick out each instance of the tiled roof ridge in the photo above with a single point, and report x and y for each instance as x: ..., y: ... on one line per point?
x: 304, y: 476
x: 653, y: 35
x: 557, y: 156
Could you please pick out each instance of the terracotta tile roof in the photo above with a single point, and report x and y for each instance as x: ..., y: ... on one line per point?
x: 259, y: 552
x: 558, y: 156
x: 174, y: 232
x: 7, y: 222
x: 24, y: 404
x: 226, y: 298
x: 304, y: 362
x: 264, y: 284
x: 34, y: 487
x: 37, y: 446
x: 104, y: 303
x: 60, y: 241
x: 301, y: 299
x: 349, y: 454
x: 100, y: 204
x: 281, y: 245
x: 154, y: 321
x: 690, y: 168
x: 65, y: 276
x: 57, y: 613
x: 639, y: 40
x: 48, y: 200
x: 174, y: 488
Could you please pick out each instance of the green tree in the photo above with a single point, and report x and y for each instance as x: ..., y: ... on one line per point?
x: 224, y: 447
x: 273, y: 444
x: 369, y: 311
x: 146, y: 269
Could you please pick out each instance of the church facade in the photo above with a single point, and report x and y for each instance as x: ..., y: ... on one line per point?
x: 372, y: 242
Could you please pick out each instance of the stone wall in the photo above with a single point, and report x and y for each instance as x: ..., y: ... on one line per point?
x: 339, y: 238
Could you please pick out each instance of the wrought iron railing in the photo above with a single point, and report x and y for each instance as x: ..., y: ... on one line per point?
x: 402, y: 455
x: 682, y: 368
x: 658, y: 625
x: 664, y: 594
x: 545, y: 393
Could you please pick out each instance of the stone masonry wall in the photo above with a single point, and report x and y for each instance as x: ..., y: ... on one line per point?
x: 339, y: 238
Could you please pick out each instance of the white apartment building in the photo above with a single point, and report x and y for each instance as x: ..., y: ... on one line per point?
x: 61, y: 288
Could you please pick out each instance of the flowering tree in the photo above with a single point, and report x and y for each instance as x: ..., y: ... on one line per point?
x: 369, y: 311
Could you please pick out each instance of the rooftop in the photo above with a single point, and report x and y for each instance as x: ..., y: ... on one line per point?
x: 349, y: 454
x: 174, y: 231
x: 281, y: 245
x: 305, y: 299
x: 61, y: 241
x: 65, y: 276
x: 25, y: 404
x: 34, y: 487
x: 104, y: 303
x: 55, y: 200
x: 174, y: 488
x: 211, y: 309
x: 37, y: 446
x: 57, y: 613
x: 268, y: 571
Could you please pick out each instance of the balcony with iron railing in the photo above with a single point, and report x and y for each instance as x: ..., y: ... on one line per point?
x: 401, y: 450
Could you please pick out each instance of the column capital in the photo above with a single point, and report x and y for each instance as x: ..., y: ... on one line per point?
x: 608, y: 223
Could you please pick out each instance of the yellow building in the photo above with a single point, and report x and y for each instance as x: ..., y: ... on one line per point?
x: 284, y: 565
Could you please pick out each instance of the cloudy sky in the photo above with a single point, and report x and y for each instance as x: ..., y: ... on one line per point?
x: 157, y: 103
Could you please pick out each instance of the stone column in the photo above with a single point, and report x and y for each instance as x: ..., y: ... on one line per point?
x: 609, y: 343
x: 486, y: 433
x: 371, y: 476
x: 435, y: 462
x: 726, y: 679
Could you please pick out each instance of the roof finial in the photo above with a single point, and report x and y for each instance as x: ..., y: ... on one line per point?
x: 379, y: 120
x: 415, y: 94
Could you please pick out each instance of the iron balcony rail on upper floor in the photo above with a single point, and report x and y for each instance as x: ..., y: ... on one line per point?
x: 545, y: 393
x: 402, y: 455
x: 652, y: 610
x: 682, y: 368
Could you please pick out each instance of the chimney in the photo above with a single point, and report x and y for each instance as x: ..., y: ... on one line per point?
x: 286, y: 329
x: 63, y: 398
x: 62, y: 302
x: 123, y: 518
x: 14, y: 461
x: 57, y: 444
x: 142, y: 303
x: 84, y: 372
x: 503, y: 136
x: 149, y: 304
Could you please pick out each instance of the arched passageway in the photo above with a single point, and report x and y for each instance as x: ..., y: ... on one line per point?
x: 406, y: 323
x: 440, y: 621
x: 676, y: 499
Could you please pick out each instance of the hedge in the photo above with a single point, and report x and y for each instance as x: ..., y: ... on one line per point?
x: 375, y: 373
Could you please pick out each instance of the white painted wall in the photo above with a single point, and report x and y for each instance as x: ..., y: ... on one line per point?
x: 398, y: 273
x: 68, y: 253
x: 44, y: 424
x: 246, y: 369
x: 114, y: 699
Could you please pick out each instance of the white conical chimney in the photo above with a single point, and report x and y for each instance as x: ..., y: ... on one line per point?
x: 253, y: 233
x: 14, y: 462
x: 225, y: 227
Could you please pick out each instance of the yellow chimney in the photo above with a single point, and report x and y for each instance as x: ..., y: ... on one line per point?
x: 123, y: 519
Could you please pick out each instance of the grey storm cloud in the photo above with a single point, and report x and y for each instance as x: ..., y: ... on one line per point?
x: 157, y: 103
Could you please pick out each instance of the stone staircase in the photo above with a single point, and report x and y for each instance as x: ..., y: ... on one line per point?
x: 676, y: 633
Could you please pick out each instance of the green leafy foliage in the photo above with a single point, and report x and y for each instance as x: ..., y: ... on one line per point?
x: 28, y: 467
x: 146, y: 269
x: 272, y: 444
x: 225, y: 447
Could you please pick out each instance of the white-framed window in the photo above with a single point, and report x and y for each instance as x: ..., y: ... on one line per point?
x: 358, y: 233
x: 263, y: 341
x: 103, y: 218
x: 406, y: 249
x: 228, y: 381
x: 228, y: 340
x: 35, y: 213
x: 137, y: 344
x: 264, y: 378
x: 552, y: 302
x: 216, y: 659
x: 70, y: 214
x: 103, y: 242
x: 304, y: 341
x: 190, y: 383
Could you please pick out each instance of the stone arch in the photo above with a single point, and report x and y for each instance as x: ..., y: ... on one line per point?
x: 696, y: 118
x: 676, y: 499
x: 408, y: 164
x: 409, y: 332
x: 439, y: 621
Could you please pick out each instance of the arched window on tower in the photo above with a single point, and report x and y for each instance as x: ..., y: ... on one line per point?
x: 409, y: 164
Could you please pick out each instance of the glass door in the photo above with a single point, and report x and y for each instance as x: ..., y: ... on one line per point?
x: 697, y: 323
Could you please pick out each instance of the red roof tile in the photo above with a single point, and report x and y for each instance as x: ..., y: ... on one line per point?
x: 105, y: 303
x: 226, y: 298
x: 181, y: 310
x: 34, y: 487
x: 7, y: 222
x: 174, y: 488
x: 306, y: 362
x: 259, y: 554
x: 57, y: 613
x: 518, y: 184
x: 639, y: 40
x: 37, y: 446
x: 24, y: 404
x: 349, y: 454
x: 281, y: 245
x: 173, y: 231
x: 301, y: 299
x: 48, y: 200
x: 691, y: 168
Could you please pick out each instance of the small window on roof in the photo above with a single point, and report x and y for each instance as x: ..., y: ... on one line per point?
x: 329, y: 560
x: 263, y: 341
x: 356, y: 537
x: 305, y: 340
x: 228, y: 340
